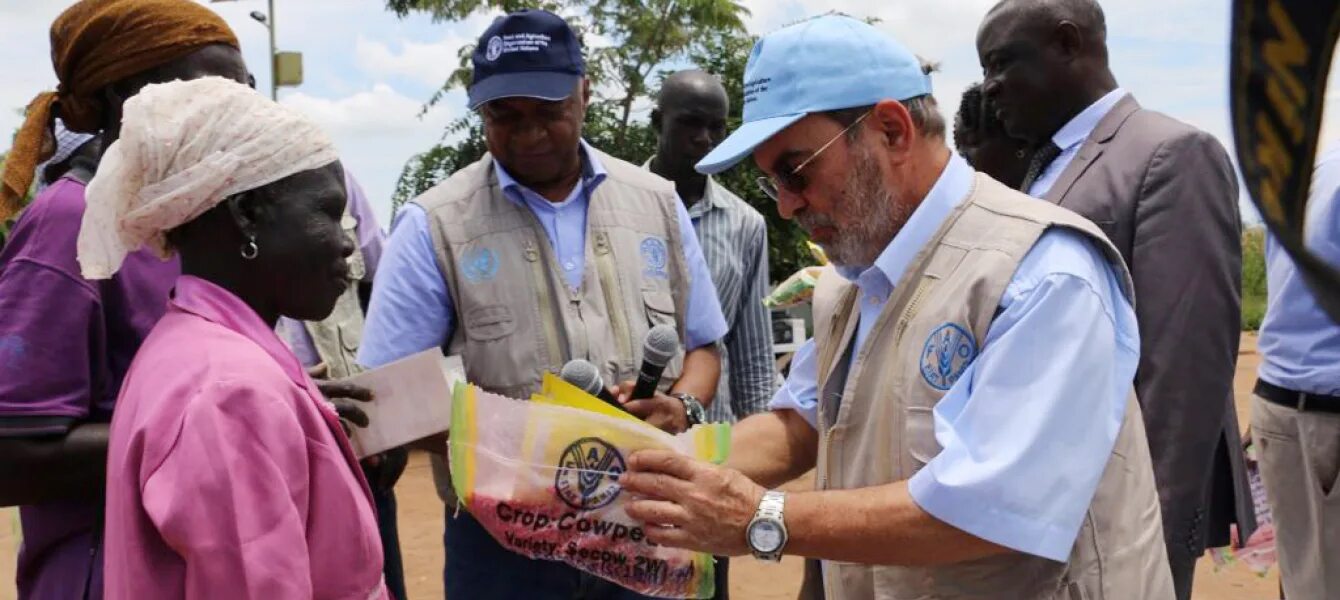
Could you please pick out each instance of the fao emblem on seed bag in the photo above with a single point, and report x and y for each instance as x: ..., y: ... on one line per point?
x: 588, y: 474
x: 947, y: 353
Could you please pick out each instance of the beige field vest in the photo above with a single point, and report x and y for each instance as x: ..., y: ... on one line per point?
x: 516, y: 316
x: 883, y: 430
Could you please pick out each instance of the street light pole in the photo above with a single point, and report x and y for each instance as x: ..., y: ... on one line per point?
x: 268, y: 20
x: 274, y: 56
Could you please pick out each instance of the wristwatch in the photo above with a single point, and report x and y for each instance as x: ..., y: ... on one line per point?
x: 766, y: 534
x: 693, y: 409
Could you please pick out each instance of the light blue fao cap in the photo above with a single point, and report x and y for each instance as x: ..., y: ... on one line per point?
x: 826, y: 63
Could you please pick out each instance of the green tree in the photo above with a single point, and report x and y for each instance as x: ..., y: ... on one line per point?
x: 645, y: 37
x: 1253, y: 277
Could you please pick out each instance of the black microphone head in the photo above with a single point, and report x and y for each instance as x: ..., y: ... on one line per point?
x: 661, y: 345
x: 584, y: 375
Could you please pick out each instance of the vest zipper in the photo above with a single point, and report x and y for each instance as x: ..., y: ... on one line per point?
x: 543, y: 287
x: 609, y: 285
x: 911, y: 310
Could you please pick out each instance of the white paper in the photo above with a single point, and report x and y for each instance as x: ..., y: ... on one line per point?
x: 411, y: 401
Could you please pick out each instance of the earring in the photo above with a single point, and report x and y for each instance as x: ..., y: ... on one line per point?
x: 250, y: 249
x: 1020, y: 153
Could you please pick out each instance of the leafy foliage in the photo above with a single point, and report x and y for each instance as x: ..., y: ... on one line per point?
x: 1253, y: 278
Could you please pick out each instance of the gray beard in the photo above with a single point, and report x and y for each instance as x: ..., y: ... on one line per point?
x: 877, y: 216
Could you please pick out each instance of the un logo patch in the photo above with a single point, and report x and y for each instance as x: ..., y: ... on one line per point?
x: 588, y: 474
x: 494, y: 49
x: 948, y: 352
x: 654, y: 257
x: 479, y: 264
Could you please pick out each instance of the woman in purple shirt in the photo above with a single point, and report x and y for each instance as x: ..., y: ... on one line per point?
x: 65, y: 342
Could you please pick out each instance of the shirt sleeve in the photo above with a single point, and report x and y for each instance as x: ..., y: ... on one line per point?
x: 749, y: 342
x: 50, y: 330
x: 223, y: 496
x: 706, y: 322
x: 370, y: 237
x: 800, y: 391
x: 1044, y: 400
x: 411, y: 309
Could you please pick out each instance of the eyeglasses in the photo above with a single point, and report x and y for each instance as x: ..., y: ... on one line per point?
x: 792, y: 181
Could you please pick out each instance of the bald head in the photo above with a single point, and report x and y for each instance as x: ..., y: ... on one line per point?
x: 1044, y: 16
x: 690, y: 120
x: 694, y: 87
x: 1044, y: 62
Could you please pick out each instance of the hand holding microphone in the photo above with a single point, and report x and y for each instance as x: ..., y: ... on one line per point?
x: 641, y: 398
x: 661, y: 345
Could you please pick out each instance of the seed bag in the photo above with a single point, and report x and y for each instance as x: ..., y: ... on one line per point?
x: 542, y: 478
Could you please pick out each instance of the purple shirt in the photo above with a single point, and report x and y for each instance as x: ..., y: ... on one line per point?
x: 65, y: 346
x: 228, y: 474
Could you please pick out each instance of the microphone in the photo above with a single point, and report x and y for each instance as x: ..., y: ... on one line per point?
x: 586, y: 376
x: 661, y: 345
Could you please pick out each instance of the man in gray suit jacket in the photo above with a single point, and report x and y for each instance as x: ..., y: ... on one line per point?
x: 1166, y: 194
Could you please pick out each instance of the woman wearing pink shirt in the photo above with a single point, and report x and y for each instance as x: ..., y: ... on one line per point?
x: 229, y: 475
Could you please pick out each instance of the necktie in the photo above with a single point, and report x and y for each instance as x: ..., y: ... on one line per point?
x: 1042, y: 157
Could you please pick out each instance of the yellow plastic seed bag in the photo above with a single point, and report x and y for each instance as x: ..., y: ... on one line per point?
x: 542, y: 478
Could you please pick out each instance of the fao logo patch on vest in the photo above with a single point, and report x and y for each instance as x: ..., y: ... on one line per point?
x: 948, y: 352
x: 479, y: 264
x: 654, y: 257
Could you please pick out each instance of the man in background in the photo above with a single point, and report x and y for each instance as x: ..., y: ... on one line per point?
x: 689, y: 121
x: 1296, y: 411
x: 981, y: 140
x: 1166, y: 195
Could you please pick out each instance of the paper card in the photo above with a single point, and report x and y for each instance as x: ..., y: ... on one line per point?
x: 411, y: 400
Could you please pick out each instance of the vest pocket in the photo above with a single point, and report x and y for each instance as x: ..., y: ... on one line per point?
x: 919, y: 430
x: 351, y: 336
x: 660, y: 307
x: 489, y: 323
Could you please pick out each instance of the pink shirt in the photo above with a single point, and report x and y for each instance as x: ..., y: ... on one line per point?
x: 228, y: 475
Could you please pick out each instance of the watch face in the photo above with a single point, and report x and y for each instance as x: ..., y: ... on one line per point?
x: 697, y: 412
x: 766, y: 535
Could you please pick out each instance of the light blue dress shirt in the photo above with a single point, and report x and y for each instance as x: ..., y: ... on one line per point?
x: 1028, y: 428
x: 411, y: 309
x: 1300, y: 344
x: 1070, y: 137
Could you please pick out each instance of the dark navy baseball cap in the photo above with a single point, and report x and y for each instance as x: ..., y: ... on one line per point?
x: 528, y: 54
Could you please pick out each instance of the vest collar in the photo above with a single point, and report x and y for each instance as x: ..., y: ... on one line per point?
x: 593, y: 173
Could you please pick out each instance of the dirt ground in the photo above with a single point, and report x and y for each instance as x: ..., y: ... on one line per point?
x: 421, y: 517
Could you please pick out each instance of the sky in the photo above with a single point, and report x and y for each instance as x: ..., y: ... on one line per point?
x: 368, y: 73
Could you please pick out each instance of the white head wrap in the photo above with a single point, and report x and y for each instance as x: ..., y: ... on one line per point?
x: 186, y: 146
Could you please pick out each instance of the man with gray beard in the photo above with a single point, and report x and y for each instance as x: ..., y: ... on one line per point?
x: 967, y: 399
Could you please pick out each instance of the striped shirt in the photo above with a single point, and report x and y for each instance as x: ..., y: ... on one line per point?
x: 734, y: 239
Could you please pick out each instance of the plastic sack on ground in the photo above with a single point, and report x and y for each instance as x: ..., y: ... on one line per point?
x: 542, y: 478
